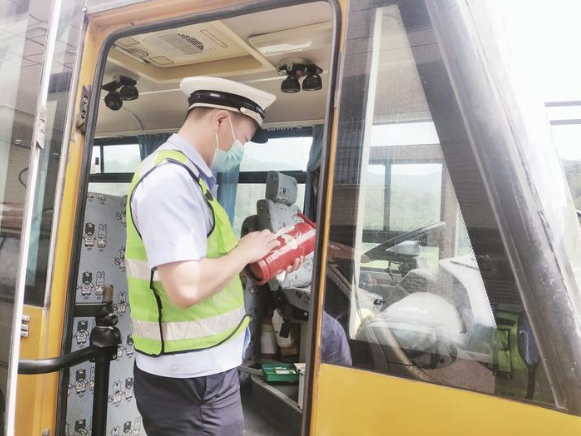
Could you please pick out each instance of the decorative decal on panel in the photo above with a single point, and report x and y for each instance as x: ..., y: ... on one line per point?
x: 121, y: 215
x: 81, y: 428
x: 102, y: 262
x: 137, y: 426
x: 82, y: 333
x: 129, y: 349
x: 121, y: 306
x: 120, y: 261
x: 87, y: 286
x: 92, y: 381
x: 81, y: 382
x: 117, y: 395
x: 100, y: 282
x: 89, y: 236
x: 128, y: 388
x: 127, y: 429
x: 102, y: 240
x: 119, y: 353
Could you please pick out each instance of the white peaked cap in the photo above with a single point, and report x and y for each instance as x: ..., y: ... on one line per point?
x: 226, y: 94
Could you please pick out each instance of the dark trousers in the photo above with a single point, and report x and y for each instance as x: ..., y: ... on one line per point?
x: 208, y: 406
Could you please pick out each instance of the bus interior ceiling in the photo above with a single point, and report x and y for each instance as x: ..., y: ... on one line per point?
x: 248, y: 49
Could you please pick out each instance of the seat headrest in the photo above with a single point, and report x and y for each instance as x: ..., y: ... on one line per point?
x: 281, y: 188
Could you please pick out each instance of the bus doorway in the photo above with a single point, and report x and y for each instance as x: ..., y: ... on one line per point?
x: 270, y: 50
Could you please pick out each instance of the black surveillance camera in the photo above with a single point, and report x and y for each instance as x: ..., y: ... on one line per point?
x: 312, y: 81
x: 290, y: 85
x: 129, y: 91
x: 114, y: 98
x: 113, y: 101
x: 296, y: 71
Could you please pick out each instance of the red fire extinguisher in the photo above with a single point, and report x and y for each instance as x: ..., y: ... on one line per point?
x: 295, y: 242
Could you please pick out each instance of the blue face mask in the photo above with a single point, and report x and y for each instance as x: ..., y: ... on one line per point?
x: 226, y: 160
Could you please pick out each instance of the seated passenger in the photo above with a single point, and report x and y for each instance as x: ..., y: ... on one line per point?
x: 334, y: 344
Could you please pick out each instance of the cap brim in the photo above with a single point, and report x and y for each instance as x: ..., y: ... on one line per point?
x: 260, y: 136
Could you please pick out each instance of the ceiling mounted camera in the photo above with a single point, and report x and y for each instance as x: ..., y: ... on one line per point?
x: 294, y: 70
x: 122, y: 88
x: 312, y: 81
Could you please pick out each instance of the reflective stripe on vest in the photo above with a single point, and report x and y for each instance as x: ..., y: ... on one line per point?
x: 160, y: 327
x: 181, y: 330
x: 140, y: 269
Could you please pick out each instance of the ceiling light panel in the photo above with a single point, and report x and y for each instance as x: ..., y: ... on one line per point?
x: 296, y: 40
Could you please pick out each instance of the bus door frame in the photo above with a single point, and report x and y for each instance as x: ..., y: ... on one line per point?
x: 119, y: 29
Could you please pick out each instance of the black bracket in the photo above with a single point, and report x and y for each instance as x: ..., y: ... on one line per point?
x: 84, y: 109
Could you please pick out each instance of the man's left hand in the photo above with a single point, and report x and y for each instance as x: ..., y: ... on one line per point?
x: 296, y: 265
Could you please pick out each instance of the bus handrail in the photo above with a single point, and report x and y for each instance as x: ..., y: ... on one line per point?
x: 54, y: 364
x: 104, y: 340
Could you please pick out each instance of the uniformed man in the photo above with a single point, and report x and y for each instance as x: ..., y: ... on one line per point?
x: 183, y: 264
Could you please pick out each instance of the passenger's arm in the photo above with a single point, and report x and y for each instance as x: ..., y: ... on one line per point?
x: 190, y: 282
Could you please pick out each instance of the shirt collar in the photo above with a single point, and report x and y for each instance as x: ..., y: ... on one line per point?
x: 192, y: 154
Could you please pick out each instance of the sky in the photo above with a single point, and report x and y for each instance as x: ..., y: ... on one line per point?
x: 543, y: 38
x: 547, y: 35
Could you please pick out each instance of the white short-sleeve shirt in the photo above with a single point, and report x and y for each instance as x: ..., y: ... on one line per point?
x: 173, y: 218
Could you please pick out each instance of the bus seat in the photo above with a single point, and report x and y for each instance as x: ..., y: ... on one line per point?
x: 102, y: 261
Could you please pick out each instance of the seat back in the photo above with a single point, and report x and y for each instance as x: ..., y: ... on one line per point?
x: 102, y: 261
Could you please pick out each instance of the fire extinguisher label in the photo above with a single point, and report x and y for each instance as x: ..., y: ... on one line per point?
x: 290, y: 241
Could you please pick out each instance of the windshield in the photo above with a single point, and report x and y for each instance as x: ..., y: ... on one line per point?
x: 545, y: 77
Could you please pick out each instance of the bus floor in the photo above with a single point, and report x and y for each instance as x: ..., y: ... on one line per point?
x: 264, y: 412
x: 256, y: 425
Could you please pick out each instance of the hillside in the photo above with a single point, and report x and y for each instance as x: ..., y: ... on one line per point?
x: 573, y: 174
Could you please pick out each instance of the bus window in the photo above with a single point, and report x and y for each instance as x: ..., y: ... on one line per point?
x: 122, y: 158
x: 294, y: 145
x: 565, y: 118
x: 112, y: 165
x: 22, y: 38
x: 424, y: 290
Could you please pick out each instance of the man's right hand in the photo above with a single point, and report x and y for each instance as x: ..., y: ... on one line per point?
x: 255, y: 245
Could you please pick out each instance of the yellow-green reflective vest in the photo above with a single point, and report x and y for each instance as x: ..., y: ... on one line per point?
x: 159, y: 327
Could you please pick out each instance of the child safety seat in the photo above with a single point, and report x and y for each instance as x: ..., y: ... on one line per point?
x: 275, y: 212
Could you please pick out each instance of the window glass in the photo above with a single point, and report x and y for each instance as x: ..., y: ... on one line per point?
x: 411, y: 185
x: 267, y: 157
x: 22, y: 42
x: 375, y: 198
x: 57, y: 108
x: 96, y: 160
x: 411, y: 133
x: 122, y: 158
x: 567, y: 137
x: 417, y: 273
x: 289, y: 153
x: 118, y: 189
x: 246, y: 197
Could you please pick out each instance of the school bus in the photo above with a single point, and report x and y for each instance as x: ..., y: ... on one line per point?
x: 448, y: 249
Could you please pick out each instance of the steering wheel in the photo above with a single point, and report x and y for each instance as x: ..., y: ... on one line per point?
x: 379, y: 252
